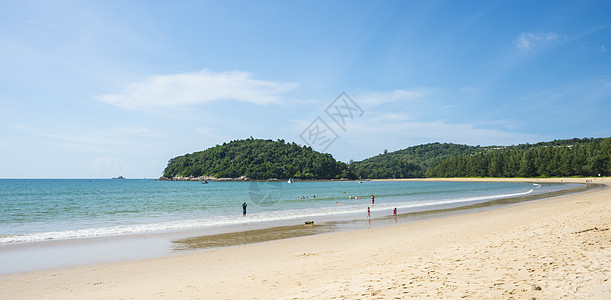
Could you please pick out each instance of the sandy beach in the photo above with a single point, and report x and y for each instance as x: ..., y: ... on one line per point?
x: 552, y: 248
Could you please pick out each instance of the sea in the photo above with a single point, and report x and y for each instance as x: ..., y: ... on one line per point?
x: 34, y: 213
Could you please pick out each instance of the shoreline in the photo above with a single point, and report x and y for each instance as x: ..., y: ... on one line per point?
x: 66, y: 253
x: 321, y: 265
x: 265, y: 234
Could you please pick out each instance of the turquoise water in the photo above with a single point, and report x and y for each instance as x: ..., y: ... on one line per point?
x: 56, y: 209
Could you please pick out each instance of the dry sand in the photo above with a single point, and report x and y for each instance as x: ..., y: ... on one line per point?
x: 545, y: 249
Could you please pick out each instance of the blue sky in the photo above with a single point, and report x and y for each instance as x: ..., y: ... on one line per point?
x: 97, y: 89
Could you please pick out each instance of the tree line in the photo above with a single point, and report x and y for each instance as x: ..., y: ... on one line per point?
x: 575, y: 157
x: 412, y: 162
x: 266, y: 159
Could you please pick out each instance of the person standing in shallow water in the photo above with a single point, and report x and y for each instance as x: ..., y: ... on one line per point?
x: 244, y: 209
x: 368, y: 213
x: 372, y: 199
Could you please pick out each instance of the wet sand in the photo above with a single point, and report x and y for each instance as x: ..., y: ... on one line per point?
x: 550, y: 248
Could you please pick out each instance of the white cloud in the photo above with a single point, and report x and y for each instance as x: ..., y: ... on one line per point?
x: 603, y: 49
x: 189, y: 89
x: 528, y: 40
x: 377, y: 98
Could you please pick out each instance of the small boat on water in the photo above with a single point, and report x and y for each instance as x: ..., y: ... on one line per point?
x: 290, y: 180
x: 205, y: 181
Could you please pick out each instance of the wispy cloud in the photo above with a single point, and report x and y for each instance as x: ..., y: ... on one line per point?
x: 378, y: 98
x: 444, y: 131
x: 395, y: 117
x: 208, y: 132
x: 112, y: 138
x: 528, y: 40
x: 138, y: 130
x: 603, y: 49
x: 382, y: 134
x: 90, y: 139
x: 588, y: 91
x: 189, y: 89
x: 471, y: 89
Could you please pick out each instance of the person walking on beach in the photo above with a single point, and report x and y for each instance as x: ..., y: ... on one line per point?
x: 394, y: 215
x: 368, y: 212
x: 372, y: 199
x: 244, y: 209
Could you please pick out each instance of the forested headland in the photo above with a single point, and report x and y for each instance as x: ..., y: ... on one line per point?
x: 266, y: 159
x: 257, y: 159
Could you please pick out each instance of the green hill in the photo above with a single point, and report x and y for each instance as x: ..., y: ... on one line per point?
x: 411, y: 162
x: 256, y: 159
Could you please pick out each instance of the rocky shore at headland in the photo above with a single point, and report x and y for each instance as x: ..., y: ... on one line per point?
x: 202, y: 178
